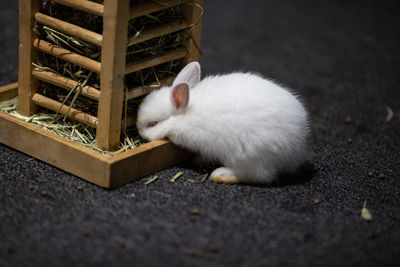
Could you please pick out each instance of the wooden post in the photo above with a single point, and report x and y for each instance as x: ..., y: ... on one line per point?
x: 27, y: 54
x: 193, y: 13
x: 113, y: 57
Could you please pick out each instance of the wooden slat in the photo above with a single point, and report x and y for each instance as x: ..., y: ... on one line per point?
x: 8, y: 91
x: 159, y: 31
x: 63, y: 109
x: 65, y: 83
x: 27, y: 85
x: 148, y: 7
x: 71, y: 29
x: 154, y: 61
x: 142, y: 90
x: 113, y: 57
x: 67, y: 55
x: 193, y: 14
x: 55, y: 150
x: 84, y: 5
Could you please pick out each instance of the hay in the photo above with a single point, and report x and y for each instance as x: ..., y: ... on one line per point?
x: 70, y: 129
x: 147, y: 49
x: 151, y: 48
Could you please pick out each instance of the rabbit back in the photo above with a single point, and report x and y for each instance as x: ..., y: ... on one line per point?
x: 246, y: 122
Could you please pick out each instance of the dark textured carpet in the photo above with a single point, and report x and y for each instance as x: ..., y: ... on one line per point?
x: 342, y: 57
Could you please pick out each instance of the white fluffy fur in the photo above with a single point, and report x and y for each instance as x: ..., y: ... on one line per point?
x: 250, y: 125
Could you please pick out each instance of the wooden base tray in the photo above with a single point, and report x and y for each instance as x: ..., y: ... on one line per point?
x: 105, y: 171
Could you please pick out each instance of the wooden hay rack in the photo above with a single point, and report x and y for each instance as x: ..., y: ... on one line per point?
x: 106, y: 171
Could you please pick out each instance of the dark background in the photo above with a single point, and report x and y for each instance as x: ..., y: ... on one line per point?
x: 342, y: 57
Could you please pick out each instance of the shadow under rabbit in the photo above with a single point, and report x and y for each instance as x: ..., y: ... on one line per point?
x: 302, y: 175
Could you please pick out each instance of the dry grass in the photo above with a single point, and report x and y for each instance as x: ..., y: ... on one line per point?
x: 69, y: 129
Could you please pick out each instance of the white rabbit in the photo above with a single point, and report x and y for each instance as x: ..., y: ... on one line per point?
x: 250, y: 125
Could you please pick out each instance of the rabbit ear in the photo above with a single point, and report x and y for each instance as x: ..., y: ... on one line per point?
x: 189, y: 75
x: 180, y: 96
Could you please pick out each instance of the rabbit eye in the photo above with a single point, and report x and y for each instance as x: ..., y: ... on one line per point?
x: 152, y: 124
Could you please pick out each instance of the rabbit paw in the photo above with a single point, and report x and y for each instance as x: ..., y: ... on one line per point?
x: 224, y: 176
